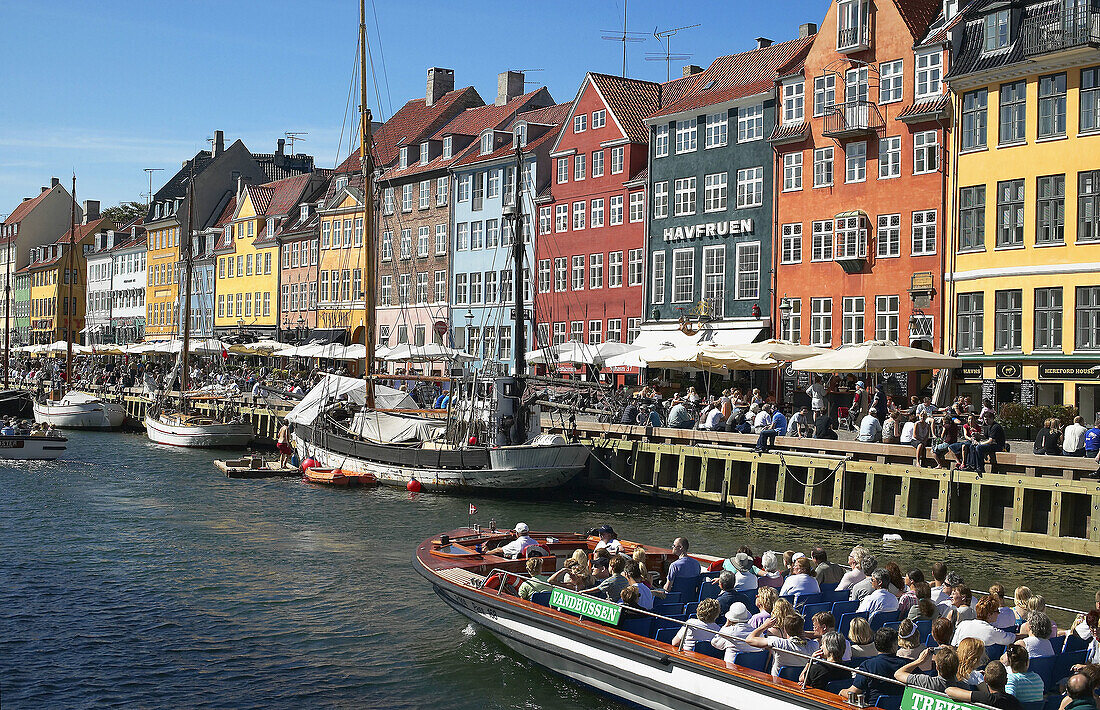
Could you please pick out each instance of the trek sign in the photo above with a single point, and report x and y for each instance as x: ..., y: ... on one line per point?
x: 597, y: 609
x: 923, y: 700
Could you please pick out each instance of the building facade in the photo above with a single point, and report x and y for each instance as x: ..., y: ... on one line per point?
x: 299, y: 237
x: 58, y: 286
x: 1024, y: 273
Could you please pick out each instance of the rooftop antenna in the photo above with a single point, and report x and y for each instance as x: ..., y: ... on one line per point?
x: 292, y: 136
x: 624, y: 36
x: 150, y: 171
x: 525, y: 72
x: 667, y: 56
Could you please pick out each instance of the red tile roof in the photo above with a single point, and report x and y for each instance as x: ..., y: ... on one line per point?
x: 918, y: 15
x: 674, y: 90
x: 738, y: 75
x: 286, y: 193
x: 928, y: 109
x: 551, y: 116
x: 630, y: 101
x: 261, y: 197
x: 83, y: 230
x: 548, y: 116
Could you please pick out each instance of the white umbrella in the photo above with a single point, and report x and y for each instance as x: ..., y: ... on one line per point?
x: 61, y: 346
x: 595, y: 354
x: 876, y: 356
x: 430, y: 352
x: 734, y: 358
x: 547, y: 355
x: 779, y: 350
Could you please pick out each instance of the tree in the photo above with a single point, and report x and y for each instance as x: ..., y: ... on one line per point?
x: 125, y: 212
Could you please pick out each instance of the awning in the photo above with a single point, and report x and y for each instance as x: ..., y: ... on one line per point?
x: 324, y: 336
x: 733, y: 336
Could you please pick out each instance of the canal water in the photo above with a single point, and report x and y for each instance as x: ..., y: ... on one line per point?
x: 132, y: 574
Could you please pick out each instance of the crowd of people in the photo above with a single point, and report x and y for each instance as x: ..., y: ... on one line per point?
x: 13, y: 426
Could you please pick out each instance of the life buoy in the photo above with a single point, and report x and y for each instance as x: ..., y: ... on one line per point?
x: 494, y: 581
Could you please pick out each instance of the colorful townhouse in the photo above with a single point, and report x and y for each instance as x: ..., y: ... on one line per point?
x: 341, y: 312
x: 415, y: 217
x: 483, y: 283
x: 590, y: 246
x: 860, y: 178
x: 114, y: 311
x: 1023, y: 276
x: 36, y: 221
x: 711, y: 173
x: 299, y: 237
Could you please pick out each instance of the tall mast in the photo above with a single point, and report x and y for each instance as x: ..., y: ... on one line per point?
x: 70, y: 277
x: 519, y: 321
x: 368, y: 207
x: 7, y: 310
x: 186, y: 244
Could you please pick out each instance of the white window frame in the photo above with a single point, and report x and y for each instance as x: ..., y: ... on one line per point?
x: 579, y: 215
x: 929, y: 74
x: 792, y: 171
x: 597, y: 163
x: 717, y: 130
x: 791, y: 245
x: 714, y: 279
x: 683, y: 284
x: 657, y: 278
x: 660, y: 141
x: 889, y: 158
x: 599, y: 118
x: 750, y: 123
x: 745, y: 291
x: 794, y: 101
x: 750, y: 187
x: 660, y: 199
x: 888, y: 236
x: 637, y: 207
x: 715, y: 191
x: 926, y: 152
x: 821, y: 322
x: 925, y: 232
x: 824, y: 157
x: 891, y: 81
x: 580, y: 123
x: 685, y: 202
x: 855, y: 162
x: 615, y: 209
x: 687, y: 135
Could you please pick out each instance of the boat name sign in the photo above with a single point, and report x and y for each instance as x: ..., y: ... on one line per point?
x: 11, y: 443
x: 597, y: 609
x: 922, y: 700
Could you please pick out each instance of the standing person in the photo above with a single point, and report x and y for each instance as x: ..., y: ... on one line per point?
x: 282, y: 443
x: 1073, y: 439
x: 816, y: 392
x: 879, y: 406
x: 855, y: 412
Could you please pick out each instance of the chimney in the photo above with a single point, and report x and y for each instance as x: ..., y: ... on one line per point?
x: 762, y: 42
x: 91, y: 211
x: 280, y: 146
x: 509, y: 86
x: 54, y: 182
x: 804, y: 31
x: 440, y: 82
x: 45, y: 189
x: 219, y: 143
x: 691, y: 70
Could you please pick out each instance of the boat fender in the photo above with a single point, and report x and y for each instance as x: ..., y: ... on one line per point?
x: 294, y: 461
x: 413, y: 486
x: 309, y: 463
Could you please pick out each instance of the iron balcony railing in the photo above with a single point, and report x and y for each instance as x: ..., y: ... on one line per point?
x: 851, y: 39
x: 852, y: 118
x: 1061, y: 29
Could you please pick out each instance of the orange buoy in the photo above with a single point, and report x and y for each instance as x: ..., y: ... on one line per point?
x: 413, y: 486
x: 309, y: 463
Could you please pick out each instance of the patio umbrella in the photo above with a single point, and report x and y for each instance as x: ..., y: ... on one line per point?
x: 595, y: 354
x: 431, y: 352
x: 547, y: 355
x: 780, y: 350
x: 876, y: 356
x: 734, y: 358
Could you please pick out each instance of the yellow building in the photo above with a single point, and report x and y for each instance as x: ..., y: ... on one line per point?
x: 341, y: 308
x: 58, y: 285
x: 1023, y: 276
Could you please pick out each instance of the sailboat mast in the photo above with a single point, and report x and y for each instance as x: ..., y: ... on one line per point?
x: 368, y: 208
x: 186, y: 244
x: 7, y: 311
x: 70, y: 277
x: 518, y: 320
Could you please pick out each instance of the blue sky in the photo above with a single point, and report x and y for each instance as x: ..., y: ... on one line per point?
x: 109, y: 88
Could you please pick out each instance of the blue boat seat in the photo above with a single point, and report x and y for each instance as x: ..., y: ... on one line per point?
x: 924, y: 627
x: 1058, y: 644
x: 706, y: 649
x: 843, y: 607
x: 641, y: 626
x: 752, y: 660
x: 687, y: 587
x: 846, y: 621
x: 541, y: 598
x: 889, y: 702
x: 879, y: 618
x: 1073, y: 642
x: 835, y: 595
x: 709, y: 590
x: 790, y: 672
x: 810, y: 610
x: 1064, y: 661
x: 666, y: 634
x: 837, y: 686
x: 994, y: 651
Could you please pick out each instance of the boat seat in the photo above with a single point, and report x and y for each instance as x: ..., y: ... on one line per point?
x: 892, y: 625
x: 642, y: 626
x: 542, y: 598
x: 810, y: 610
x: 791, y: 672
x: 752, y: 660
x: 1058, y: 643
x: 706, y: 649
x: 835, y: 595
x: 812, y: 598
x: 690, y: 608
x: 838, y: 686
x: 846, y: 620
x: 687, y: 587
x: 994, y: 651
x: 843, y: 607
x: 666, y: 634
x: 879, y: 619
x: 1064, y: 661
x: 709, y: 590
x: 1044, y: 668
x: 1073, y: 642
x: 889, y: 702
x: 924, y: 627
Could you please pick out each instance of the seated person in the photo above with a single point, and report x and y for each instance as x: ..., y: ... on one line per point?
x: 870, y: 429
x: 824, y: 622
x: 802, y: 581
x: 793, y: 639
x: 536, y: 583
x: 910, y: 644
x: 735, y: 630
x: 885, y: 663
x: 515, y: 548
x: 981, y: 627
x: 819, y: 675
x: 612, y: 587
x: 1037, y: 642
x: 825, y: 427
x: 990, y: 692
x: 645, y: 595
x: 801, y: 425
x: 1079, y: 693
x: 879, y: 598
x: 1023, y: 684
x: 861, y: 639
x: 701, y: 628
x: 608, y: 540
x: 684, y: 567
x: 946, y: 662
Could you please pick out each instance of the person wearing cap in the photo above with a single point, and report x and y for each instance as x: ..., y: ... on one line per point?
x: 608, y: 540
x: 516, y: 547
x: 733, y: 632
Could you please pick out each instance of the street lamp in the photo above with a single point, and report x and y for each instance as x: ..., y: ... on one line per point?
x: 301, y: 328
x: 469, y: 324
x: 786, y: 308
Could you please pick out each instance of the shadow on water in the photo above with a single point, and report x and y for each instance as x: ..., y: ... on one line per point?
x: 138, y: 575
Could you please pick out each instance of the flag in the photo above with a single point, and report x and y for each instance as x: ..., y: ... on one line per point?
x: 473, y: 509
x: 225, y: 353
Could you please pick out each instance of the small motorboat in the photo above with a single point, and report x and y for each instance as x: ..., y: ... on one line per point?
x: 80, y: 410
x: 27, y: 447
x: 197, y: 431
x: 326, y: 476
x: 254, y: 466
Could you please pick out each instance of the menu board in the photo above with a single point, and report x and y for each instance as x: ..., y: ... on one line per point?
x: 989, y: 391
x: 1029, y: 393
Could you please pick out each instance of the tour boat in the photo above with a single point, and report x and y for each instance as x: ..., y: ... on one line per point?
x: 80, y: 410
x: 16, y: 403
x: 24, y: 447
x: 197, y: 431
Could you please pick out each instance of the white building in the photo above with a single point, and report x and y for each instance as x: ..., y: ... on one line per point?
x: 115, y: 310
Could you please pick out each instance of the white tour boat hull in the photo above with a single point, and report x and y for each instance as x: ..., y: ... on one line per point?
x: 92, y: 414
x: 31, y: 448
x: 215, y: 435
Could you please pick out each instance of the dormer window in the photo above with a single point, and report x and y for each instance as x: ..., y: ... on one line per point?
x: 341, y: 182
x: 156, y: 211
x: 486, y: 142
x: 403, y: 162
x: 853, y: 33
x: 424, y: 153
x: 519, y: 135
x: 304, y: 212
x: 997, y: 34
x: 448, y: 146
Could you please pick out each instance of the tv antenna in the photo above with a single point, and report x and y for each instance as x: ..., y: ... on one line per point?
x: 292, y: 136
x: 625, y: 36
x: 525, y: 72
x: 667, y: 56
x: 150, y: 171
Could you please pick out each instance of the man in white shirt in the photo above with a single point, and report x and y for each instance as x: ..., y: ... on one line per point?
x: 1073, y: 438
x: 879, y: 599
x: 516, y: 547
x: 608, y: 540
x: 712, y: 419
x: 816, y: 392
x: 801, y: 424
x: 862, y: 588
x: 763, y: 420
x: 870, y: 429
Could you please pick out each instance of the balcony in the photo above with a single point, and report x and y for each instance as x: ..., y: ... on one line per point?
x: 853, y: 119
x: 1061, y: 29
x: 850, y: 246
x: 853, y: 39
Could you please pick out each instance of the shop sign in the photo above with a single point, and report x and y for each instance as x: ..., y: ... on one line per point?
x: 921, y: 281
x: 1009, y: 370
x: 969, y: 372
x: 1073, y: 371
x: 725, y: 228
x: 1029, y: 393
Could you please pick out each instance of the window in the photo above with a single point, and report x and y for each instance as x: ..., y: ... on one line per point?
x: 714, y: 192
x: 475, y: 287
x: 888, y: 240
x: 889, y: 157
x: 685, y: 196
x: 890, y: 81
x: 492, y: 187
x: 597, y: 212
x: 794, y: 102
x: 597, y: 163
x: 637, y: 206
x: 423, y: 238
x: 424, y: 195
x: 407, y: 198
x: 462, y: 236
x: 1052, y: 106
x: 970, y: 316
x: 660, y: 141
x: 1088, y: 206
x: 580, y: 123
x: 683, y: 275
x: 926, y: 152
x: 852, y: 320
x: 821, y: 247
x: 546, y: 220
x: 748, y: 270
x: 477, y: 235
x: 578, y: 273
x: 595, y: 271
x: 851, y: 238
x: 852, y: 24
x: 792, y: 244
x: 792, y: 171
x: 823, y: 167
x: 615, y: 269
x: 1013, y: 108
x: 441, y: 190
x: 599, y: 118
x: 421, y: 287
x: 714, y: 278
x: 717, y: 129
x: 491, y: 294
x: 1090, y: 100
x: 478, y: 200
x: 563, y: 170
x: 686, y: 135
x: 561, y: 218
x: 1050, y: 210
x: 579, y: 209
x: 486, y: 146
x: 929, y: 74
x: 974, y: 117
x: 1088, y: 318
x: 461, y: 292
x: 576, y: 331
x: 657, y: 287
x: 924, y: 232
x: 750, y: 123
x: 660, y: 199
x: 579, y: 165
x: 635, y: 261
x: 886, y: 318
x: 559, y: 333
x: 855, y: 162
x: 821, y: 321
x: 325, y: 234
x: 1048, y: 319
x: 440, y: 239
x: 614, y: 330
x: 617, y: 156
x: 750, y: 188
x: 440, y: 286
x: 406, y: 243
x: 790, y: 327
x: 824, y: 93
x: 464, y: 185
x: 560, y: 273
x: 1009, y: 318
x: 996, y: 31
x: 972, y: 218
x: 1010, y: 213
x: 856, y: 87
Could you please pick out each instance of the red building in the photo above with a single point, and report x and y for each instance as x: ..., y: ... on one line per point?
x: 590, y: 246
x: 860, y: 179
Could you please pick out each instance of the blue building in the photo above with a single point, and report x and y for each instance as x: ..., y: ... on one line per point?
x: 482, y: 283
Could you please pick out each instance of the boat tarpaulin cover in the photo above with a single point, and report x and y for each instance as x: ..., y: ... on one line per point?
x: 395, y: 428
x: 351, y: 388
